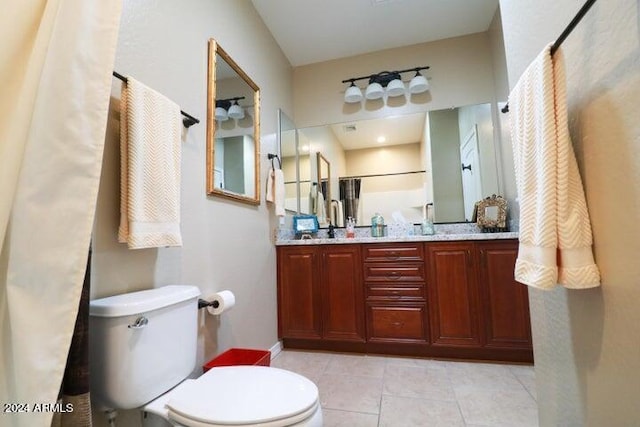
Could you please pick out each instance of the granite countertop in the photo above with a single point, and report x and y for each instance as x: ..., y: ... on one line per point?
x: 444, y: 232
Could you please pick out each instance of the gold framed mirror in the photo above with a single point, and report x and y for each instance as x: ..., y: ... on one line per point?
x: 491, y: 214
x: 233, y: 130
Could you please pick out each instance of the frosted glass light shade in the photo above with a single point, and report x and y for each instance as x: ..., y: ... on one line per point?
x: 374, y: 91
x: 221, y: 114
x: 395, y: 88
x: 236, y: 112
x: 353, y: 94
x: 418, y: 84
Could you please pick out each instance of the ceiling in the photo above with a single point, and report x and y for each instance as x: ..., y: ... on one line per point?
x: 395, y: 131
x: 310, y: 31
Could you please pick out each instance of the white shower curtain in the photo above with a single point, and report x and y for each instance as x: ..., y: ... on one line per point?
x: 56, y: 58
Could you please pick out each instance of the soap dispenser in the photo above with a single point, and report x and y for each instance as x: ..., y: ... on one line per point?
x: 377, y: 225
x: 332, y: 231
x: 351, y: 232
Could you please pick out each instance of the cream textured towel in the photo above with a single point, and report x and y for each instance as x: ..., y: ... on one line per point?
x: 278, y: 190
x: 275, y: 190
x: 269, y: 197
x: 555, y: 231
x: 150, y: 135
x: 321, y: 210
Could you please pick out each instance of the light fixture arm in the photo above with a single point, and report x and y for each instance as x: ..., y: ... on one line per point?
x: 226, y: 103
x: 383, y: 77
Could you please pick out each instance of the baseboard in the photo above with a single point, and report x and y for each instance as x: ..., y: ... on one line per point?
x: 276, y: 349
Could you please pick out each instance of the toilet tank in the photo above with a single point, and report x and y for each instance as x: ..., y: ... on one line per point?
x: 141, y: 344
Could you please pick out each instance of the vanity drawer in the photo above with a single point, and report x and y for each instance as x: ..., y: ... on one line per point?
x: 394, y: 322
x: 395, y: 252
x: 392, y: 293
x: 397, y: 272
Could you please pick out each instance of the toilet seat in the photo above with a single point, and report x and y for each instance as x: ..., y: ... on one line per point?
x: 243, y: 395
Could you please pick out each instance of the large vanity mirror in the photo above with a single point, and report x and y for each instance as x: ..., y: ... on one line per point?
x: 398, y: 165
x: 233, y: 130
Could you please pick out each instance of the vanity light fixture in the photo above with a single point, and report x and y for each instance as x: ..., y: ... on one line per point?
x: 221, y: 114
x: 353, y: 94
x: 236, y: 111
x: 418, y: 83
x: 229, y: 109
x: 389, y: 82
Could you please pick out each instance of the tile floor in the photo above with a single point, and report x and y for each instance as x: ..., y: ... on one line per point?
x: 387, y: 391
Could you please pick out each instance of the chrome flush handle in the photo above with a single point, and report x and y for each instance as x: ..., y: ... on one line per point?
x: 140, y: 323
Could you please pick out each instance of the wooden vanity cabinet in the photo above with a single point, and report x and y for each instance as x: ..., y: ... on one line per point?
x: 394, y: 276
x: 320, y: 295
x: 450, y: 299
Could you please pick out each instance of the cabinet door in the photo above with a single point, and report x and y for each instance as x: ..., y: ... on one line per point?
x: 505, y: 301
x: 342, y: 293
x: 299, y: 305
x: 453, y: 297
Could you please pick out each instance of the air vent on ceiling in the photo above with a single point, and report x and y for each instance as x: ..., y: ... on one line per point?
x: 383, y: 2
x: 350, y: 128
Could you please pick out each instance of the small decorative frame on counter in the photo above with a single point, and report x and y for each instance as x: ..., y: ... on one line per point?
x: 491, y: 214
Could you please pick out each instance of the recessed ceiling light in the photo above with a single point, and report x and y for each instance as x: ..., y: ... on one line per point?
x: 381, y: 139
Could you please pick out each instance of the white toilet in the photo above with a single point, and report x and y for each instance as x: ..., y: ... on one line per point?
x: 143, y: 347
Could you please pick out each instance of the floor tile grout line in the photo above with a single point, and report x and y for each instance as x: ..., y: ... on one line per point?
x: 325, y: 367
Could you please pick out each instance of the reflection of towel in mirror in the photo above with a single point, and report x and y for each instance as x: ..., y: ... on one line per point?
x: 313, y: 195
x: 150, y: 151
x: 275, y: 190
x: 555, y: 231
x: 321, y: 211
x: 337, y: 214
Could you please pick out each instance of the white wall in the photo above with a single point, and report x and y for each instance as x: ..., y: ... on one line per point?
x: 226, y: 245
x: 461, y: 74
x: 586, y: 343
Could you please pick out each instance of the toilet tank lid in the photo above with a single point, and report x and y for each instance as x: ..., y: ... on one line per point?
x: 142, y: 301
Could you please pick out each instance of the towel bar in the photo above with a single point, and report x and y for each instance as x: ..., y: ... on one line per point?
x: 188, y: 119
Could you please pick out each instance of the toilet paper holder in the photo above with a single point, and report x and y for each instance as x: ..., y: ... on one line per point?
x: 204, y: 303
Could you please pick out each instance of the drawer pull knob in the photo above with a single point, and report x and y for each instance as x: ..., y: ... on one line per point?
x: 398, y: 324
x: 394, y: 275
x: 393, y: 255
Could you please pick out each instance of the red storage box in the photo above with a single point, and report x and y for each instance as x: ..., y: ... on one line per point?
x: 239, y: 356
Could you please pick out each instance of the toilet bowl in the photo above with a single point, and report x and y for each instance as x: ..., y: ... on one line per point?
x: 241, y: 396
